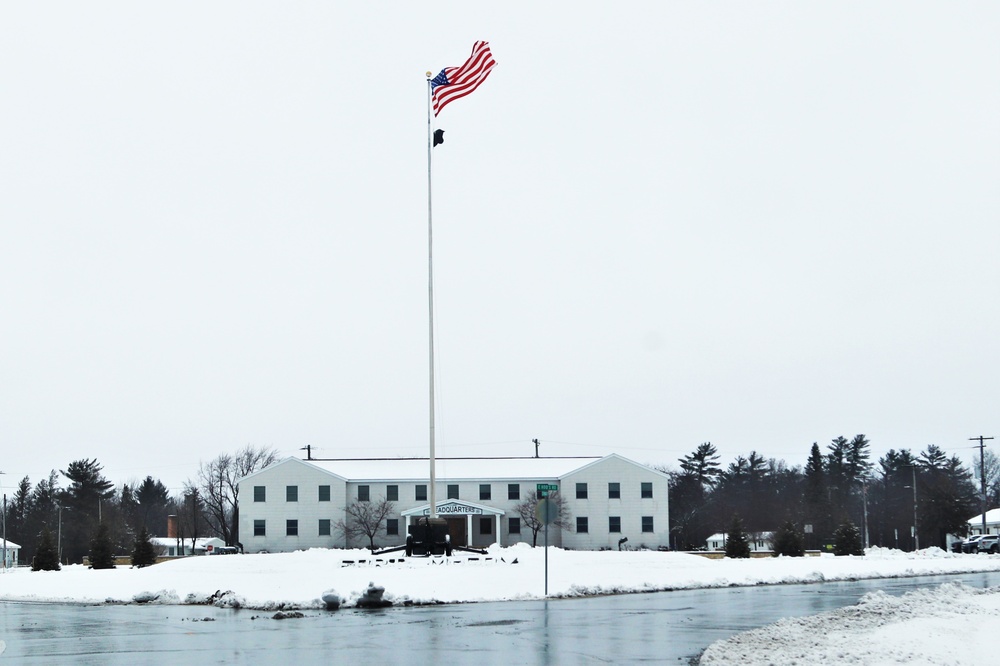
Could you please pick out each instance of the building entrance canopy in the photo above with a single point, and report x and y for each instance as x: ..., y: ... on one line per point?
x: 454, y: 508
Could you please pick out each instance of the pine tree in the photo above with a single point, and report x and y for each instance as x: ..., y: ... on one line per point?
x: 101, y: 553
x: 788, y: 541
x: 143, y: 553
x: 737, y: 544
x: 46, y: 558
x: 847, y: 540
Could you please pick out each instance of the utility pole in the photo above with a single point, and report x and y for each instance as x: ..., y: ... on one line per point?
x: 916, y: 525
x: 982, y: 475
x: 4, y: 529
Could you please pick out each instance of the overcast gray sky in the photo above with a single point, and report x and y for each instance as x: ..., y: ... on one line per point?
x: 656, y: 224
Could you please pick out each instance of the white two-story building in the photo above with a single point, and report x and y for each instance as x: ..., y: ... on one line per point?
x: 296, y: 504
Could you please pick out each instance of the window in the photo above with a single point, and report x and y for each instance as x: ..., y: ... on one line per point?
x: 324, y: 493
x: 614, y: 491
x: 392, y: 526
x: 614, y: 524
x: 581, y: 491
x: 420, y: 492
x: 485, y: 491
x: 647, y: 523
x: 291, y: 493
x: 259, y: 494
x: 258, y: 528
x: 452, y: 491
x: 324, y: 527
x: 392, y: 493
x: 291, y: 528
x: 513, y: 491
x: 647, y: 490
x: 364, y: 493
x: 486, y: 526
x: 581, y: 525
x: 514, y: 524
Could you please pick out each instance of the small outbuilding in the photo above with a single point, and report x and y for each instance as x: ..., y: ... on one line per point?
x: 176, y: 547
x: 759, y: 541
x: 11, y: 553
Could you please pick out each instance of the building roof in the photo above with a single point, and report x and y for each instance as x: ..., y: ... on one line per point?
x: 452, y: 469
x: 992, y: 516
x: 12, y: 546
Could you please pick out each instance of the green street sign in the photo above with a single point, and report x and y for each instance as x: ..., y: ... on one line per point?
x: 545, y: 488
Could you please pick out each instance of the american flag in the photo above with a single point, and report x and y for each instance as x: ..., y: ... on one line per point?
x: 455, y: 82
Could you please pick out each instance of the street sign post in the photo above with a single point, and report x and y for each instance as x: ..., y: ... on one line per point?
x: 546, y: 512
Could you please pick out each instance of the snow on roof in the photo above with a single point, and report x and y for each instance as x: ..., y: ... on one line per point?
x: 172, y: 541
x: 721, y: 536
x: 992, y: 516
x: 417, y: 469
x: 12, y: 546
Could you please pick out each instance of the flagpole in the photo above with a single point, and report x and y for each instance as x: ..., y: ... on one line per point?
x: 430, y: 299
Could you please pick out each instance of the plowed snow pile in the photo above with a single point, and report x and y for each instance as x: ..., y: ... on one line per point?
x: 930, y: 626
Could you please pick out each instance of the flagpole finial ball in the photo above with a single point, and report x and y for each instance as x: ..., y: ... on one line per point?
x: 428, y: 75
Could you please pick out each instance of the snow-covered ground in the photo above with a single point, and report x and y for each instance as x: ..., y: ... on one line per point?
x: 934, y: 624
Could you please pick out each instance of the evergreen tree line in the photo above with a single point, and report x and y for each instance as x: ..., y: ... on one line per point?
x: 836, y: 489
x: 91, y: 516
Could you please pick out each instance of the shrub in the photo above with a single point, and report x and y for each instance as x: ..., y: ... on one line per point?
x: 101, y: 554
x: 847, y: 540
x: 143, y: 553
x: 788, y: 541
x: 46, y: 558
x: 737, y: 544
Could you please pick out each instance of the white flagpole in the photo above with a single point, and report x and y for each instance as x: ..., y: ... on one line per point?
x: 430, y: 297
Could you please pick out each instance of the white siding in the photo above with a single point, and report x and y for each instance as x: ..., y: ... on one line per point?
x: 630, y: 507
x: 275, y: 510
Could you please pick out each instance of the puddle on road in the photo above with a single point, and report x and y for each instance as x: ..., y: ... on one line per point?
x: 494, y: 623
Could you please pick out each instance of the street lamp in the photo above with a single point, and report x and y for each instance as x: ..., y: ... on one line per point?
x: 864, y: 500
x: 59, y: 537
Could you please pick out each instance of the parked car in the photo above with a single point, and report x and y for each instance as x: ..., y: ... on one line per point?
x: 989, y: 544
x: 971, y: 545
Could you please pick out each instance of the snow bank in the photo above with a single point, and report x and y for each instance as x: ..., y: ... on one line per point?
x: 928, y: 626
x: 298, y: 580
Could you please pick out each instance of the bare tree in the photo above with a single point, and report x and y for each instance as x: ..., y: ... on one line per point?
x: 365, y: 519
x: 992, y: 467
x: 528, y: 511
x: 218, y: 482
x: 190, y: 511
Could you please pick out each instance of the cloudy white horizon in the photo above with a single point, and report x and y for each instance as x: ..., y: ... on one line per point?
x: 758, y: 225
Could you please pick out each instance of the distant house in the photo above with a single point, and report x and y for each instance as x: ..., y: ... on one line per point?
x: 760, y: 542
x: 174, y: 547
x: 992, y: 523
x: 297, y: 504
x: 10, y: 556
